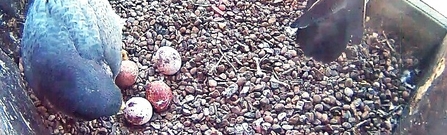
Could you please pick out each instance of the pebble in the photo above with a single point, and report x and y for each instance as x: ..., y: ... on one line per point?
x: 294, y: 119
x: 347, y: 125
x: 276, y: 126
x: 319, y: 107
x: 190, y: 89
x: 348, y: 92
x: 266, y: 126
x: 278, y: 107
x: 155, y: 125
x: 349, y: 82
x: 51, y: 117
x: 305, y: 95
x: 215, y: 94
x: 287, y: 127
x: 189, y: 98
x: 265, y: 100
x: 300, y: 105
x: 212, y: 83
x: 282, y: 115
x: 268, y: 119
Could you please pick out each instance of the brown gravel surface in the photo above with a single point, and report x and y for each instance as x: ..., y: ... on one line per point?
x: 242, y: 73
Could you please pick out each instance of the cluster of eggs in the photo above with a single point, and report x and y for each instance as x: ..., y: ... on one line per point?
x: 138, y: 110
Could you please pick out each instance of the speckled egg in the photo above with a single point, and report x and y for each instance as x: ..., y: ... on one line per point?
x: 128, y: 74
x: 138, y: 111
x: 167, y: 60
x: 159, y: 95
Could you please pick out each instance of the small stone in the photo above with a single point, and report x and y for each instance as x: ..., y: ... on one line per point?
x: 346, y: 125
x: 351, y: 120
x: 156, y: 125
x: 197, y: 117
x: 249, y: 115
x: 277, y: 1
x: 282, y: 115
x: 212, y: 83
x: 311, y: 116
x: 319, y: 107
x: 387, y: 124
x: 241, y: 81
x: 287, y: 127
x: 316, y: 98
x: 187, y: 123
x: 324, y: 118
x: 324, y: 83
x: 51, y: 117
x: 217, y: 10
x: 348, y: 92
x: 294, y: 119
x: 346, y: 107
x: 272, y: 20
x: 278, y: 107
x: 300, y: 105
x: 276, y: 126
x: 186, y: 112
x: 305, y: 95
x: 203, y: 127
x: 405, y: 95
x: 265, y: 100
x: 333, y: 121
x: 223, y: 76
x: 190, y: 89
x: 266, y: 125
x: 215, y: 94
x: 206, y: 111
x: 221, y: 7
x: 349, y: 82
x: 236, y: 110
x: 189, y: 98
x: 268, y: 119
x: 42, y: 109
x: 222, y: 25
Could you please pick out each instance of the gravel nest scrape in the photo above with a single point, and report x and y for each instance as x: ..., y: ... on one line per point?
x: 242, y: 73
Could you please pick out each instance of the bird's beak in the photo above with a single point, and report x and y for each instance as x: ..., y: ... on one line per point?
x: 123, y: 105
x: 124, y: 55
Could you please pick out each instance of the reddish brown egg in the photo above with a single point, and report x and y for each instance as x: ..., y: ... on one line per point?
x: 167, y: 60
x: 128, y: 74
x: 159, y: 95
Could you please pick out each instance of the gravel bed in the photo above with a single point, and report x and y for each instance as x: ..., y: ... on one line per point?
x: 242, y: 73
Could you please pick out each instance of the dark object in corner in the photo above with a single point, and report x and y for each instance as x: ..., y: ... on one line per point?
x: 325, y: 29
x: 12, y: 8
x: 17, y: 114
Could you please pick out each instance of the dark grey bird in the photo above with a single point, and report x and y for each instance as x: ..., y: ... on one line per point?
x: 327, y: 26
x: 71, y: 54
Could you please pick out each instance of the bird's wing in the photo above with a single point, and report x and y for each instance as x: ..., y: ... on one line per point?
x: 93, y: 27
x: 78, y: 27
x: 110, y: 28
x: 76, y: 18
x: 45, y: 43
